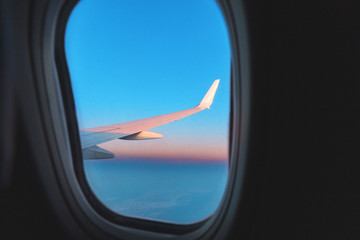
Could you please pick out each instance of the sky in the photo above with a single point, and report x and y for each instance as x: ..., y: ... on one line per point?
x: 130, y: 60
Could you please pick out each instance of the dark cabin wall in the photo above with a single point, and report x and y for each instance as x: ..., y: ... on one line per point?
x: 25, y: 212
x: 302, y: 180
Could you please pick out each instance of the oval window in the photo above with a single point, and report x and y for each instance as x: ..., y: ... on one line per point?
x: 153, y: 116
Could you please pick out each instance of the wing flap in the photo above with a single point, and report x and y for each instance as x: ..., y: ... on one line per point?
x: 95, y: 152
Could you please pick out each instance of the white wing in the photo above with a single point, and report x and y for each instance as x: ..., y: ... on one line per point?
x: 135, y: 130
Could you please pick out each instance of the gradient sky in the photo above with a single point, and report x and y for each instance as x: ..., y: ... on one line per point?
x: 131, y: 60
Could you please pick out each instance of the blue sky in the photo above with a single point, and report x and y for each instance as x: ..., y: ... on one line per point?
x: 130, y: 60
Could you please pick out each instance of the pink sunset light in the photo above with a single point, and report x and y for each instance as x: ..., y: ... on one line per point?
x: 172, y: 149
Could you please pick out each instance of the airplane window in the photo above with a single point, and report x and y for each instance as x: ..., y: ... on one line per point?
x: 151, y: 84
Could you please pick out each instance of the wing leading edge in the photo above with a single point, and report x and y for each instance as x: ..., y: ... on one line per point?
x: 136, y: 130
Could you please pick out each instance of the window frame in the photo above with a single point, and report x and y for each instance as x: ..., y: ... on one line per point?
x: 63, y: 129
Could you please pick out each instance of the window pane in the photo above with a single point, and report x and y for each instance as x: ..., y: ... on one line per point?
x: 131, y: 60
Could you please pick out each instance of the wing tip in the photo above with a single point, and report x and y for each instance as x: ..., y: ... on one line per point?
x: 209, y: 96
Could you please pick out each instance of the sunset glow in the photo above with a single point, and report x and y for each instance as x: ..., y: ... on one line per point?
x: 206, y: 150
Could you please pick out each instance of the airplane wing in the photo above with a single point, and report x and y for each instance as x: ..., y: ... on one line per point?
x: 135, y: 130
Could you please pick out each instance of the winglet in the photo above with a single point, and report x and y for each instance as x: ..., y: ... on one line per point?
x: 209, y: 96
